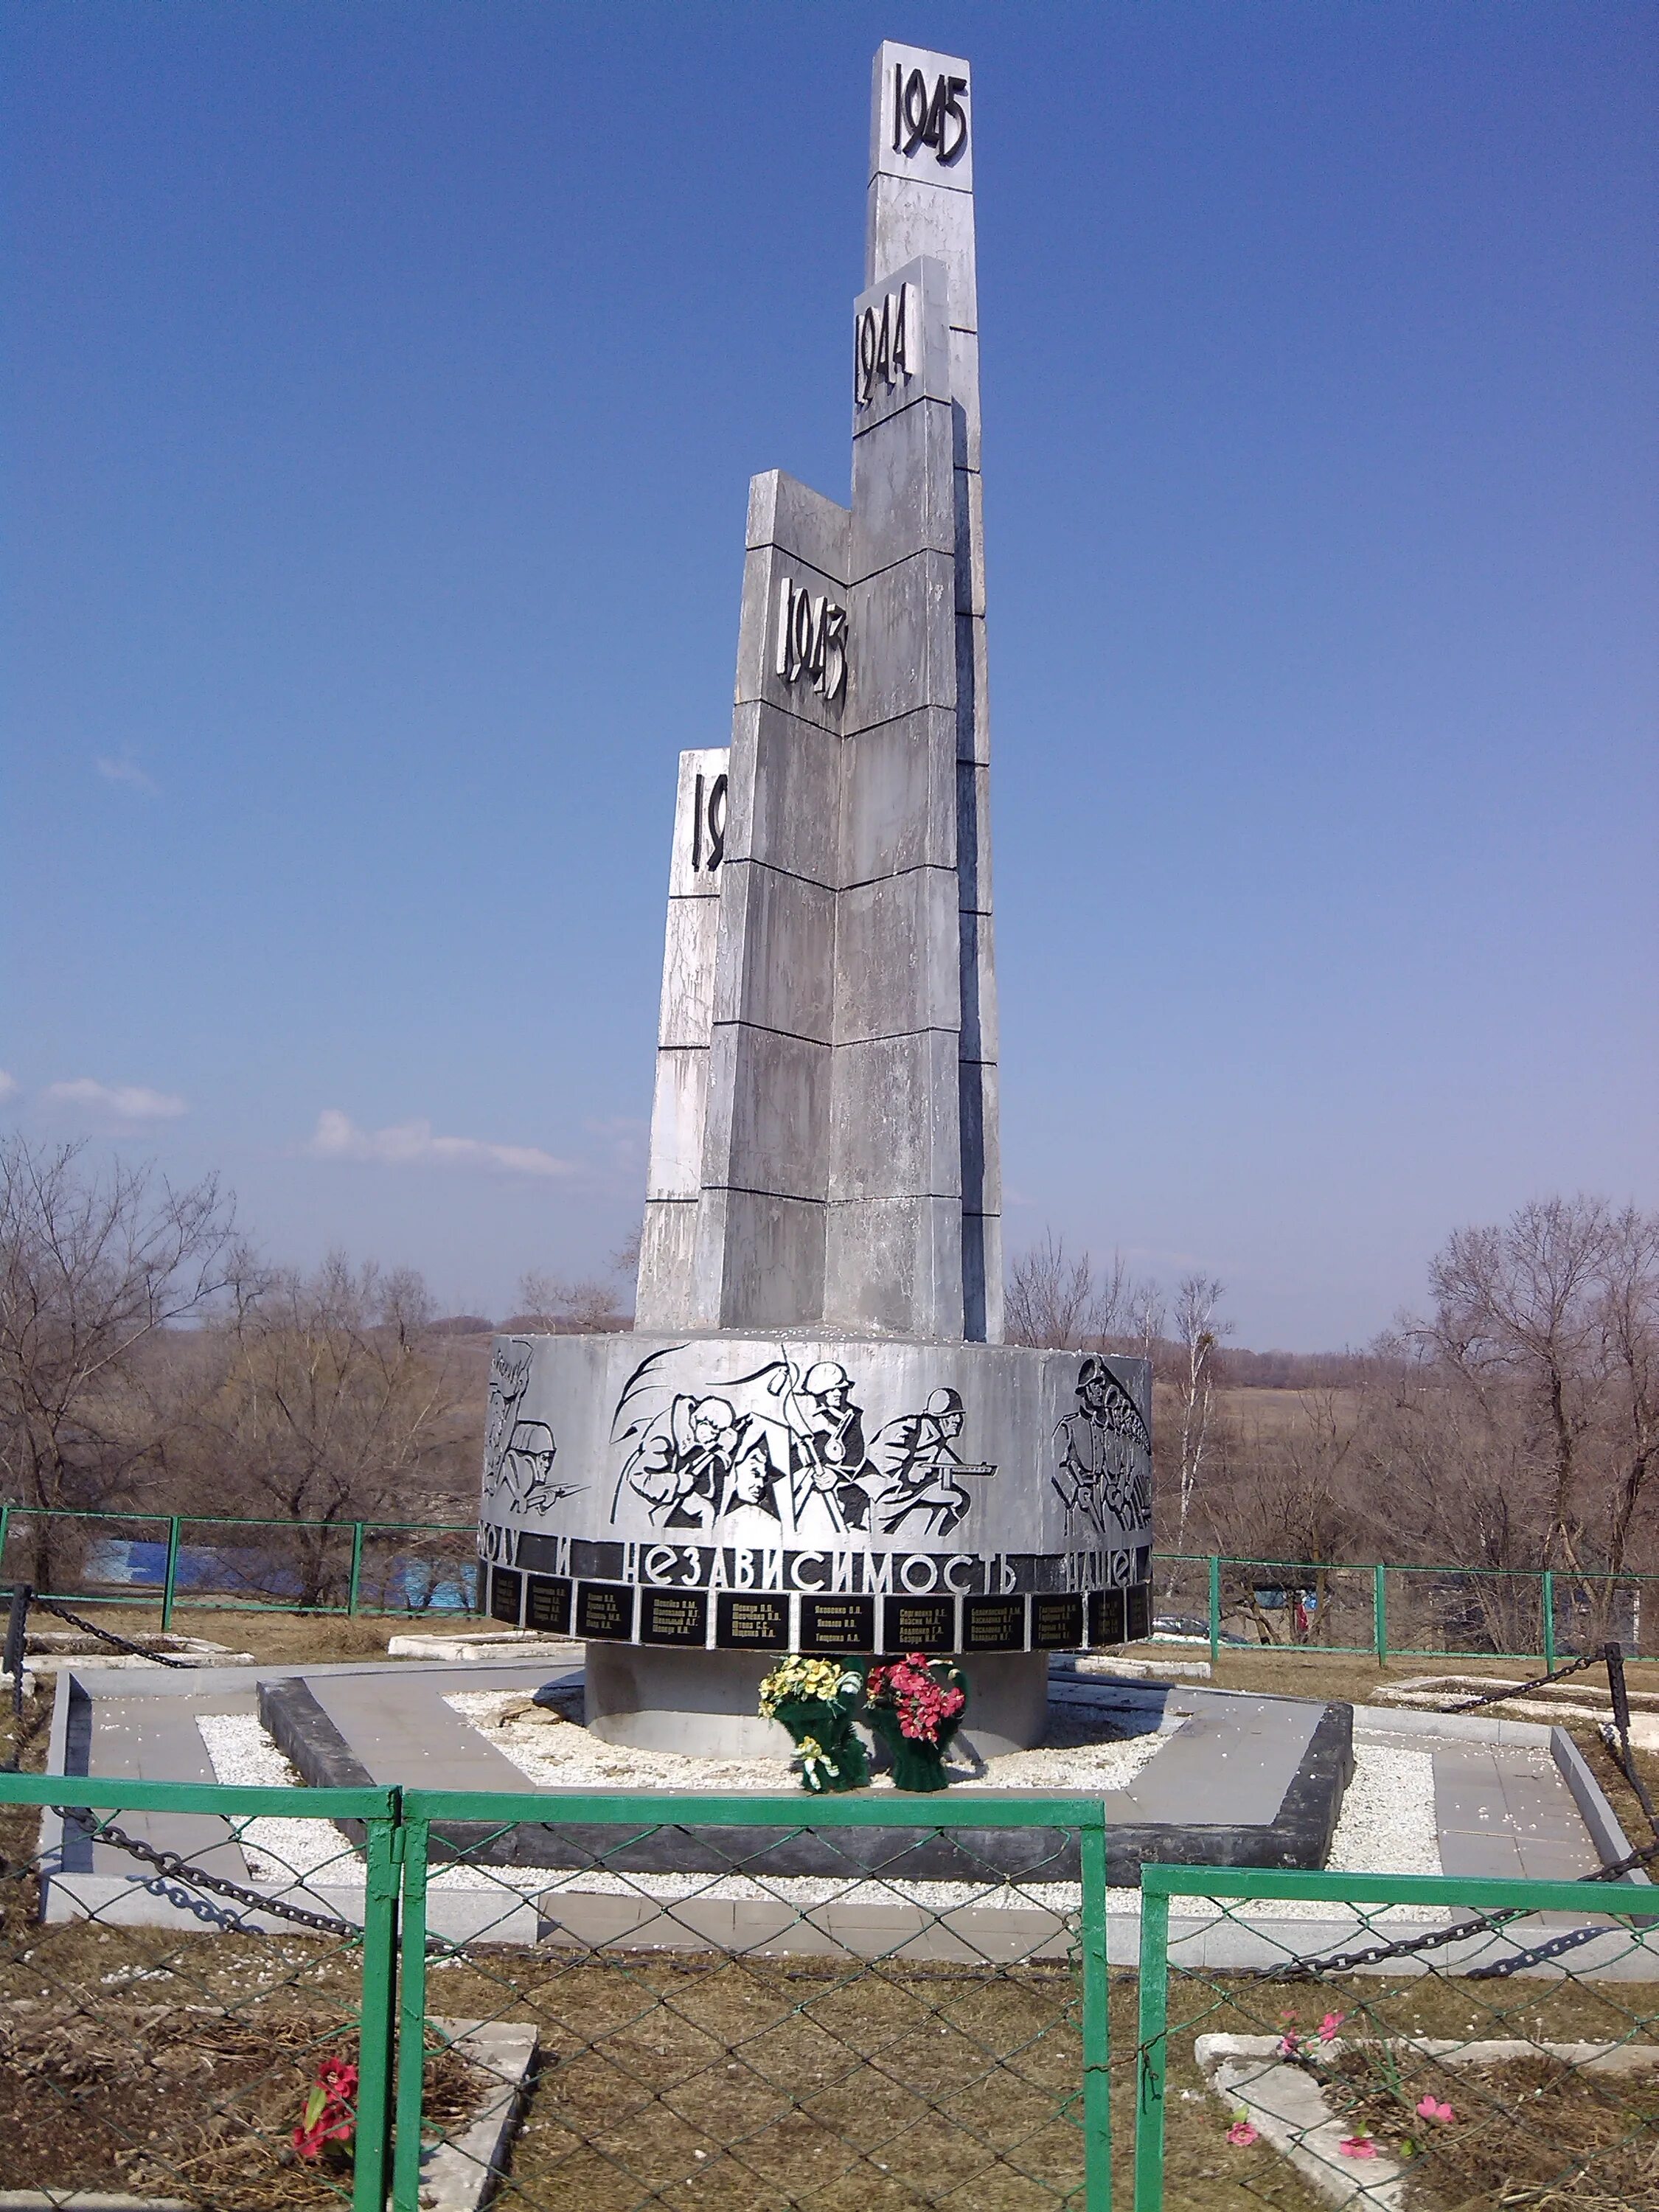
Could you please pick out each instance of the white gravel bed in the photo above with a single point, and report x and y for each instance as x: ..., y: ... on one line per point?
x: 276, y: 1851
x: 1387, y: 1826
x: 288, y: 1853
x: 1082, y: 1755
x: 1387, y: 1823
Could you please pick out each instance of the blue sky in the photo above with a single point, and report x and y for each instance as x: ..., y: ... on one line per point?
x: 384, y: 383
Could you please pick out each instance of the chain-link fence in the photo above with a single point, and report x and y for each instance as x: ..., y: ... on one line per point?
x: 178, y: 1562
x: 751, y: 2003
x: 1423, y: 2044
x: 196, y: 1993
x: 604, y: 2002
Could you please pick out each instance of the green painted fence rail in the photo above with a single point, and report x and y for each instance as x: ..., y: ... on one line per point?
x: 394, y: 1946
x: 1492, y: 1918
x: 386, y: 1951
x: 374, y: 1945
x: 637, y: 1813
x: 1386, y: 1611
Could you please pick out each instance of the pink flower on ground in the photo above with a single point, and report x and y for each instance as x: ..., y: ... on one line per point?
x: 1241, y: 2134
x: 1329, y: 2026
x: 1430, y: 2108
x: 1290, y: 2044
x: 1357, y: 2147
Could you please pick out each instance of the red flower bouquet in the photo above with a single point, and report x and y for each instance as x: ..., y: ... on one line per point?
x: 330, y: 2118
x: 915, y: 1705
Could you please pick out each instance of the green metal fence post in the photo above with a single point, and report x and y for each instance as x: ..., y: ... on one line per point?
x: 379, y: 1991
x: 1380, y: 1612
x: 1215, y: 1610
x: 1546, y: 1601
x: 1152, y: 2054
x: 411, y: 2025
x: 356, y: 1565
x: 5, y: 1523
x: 172, y: 1575
x: 1096, y: 2024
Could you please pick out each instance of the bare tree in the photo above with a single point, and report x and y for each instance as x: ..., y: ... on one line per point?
x: 1629, y: 1334
x: 335, y: 1405
x: 1548, y: 1325
x: 93, y: 1267
x: 625, y: 1260
x: 1060, y: 1305
x: 1144, y: 1313
x: 549, y: 1304
x: 1198, y: 1332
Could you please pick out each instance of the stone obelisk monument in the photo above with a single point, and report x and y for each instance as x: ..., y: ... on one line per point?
x: 815, y: 1438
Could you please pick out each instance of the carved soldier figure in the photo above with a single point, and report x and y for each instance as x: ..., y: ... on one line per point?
x: 827, y: 1462
x: 1104, y: 1475
x: 524, y: 1473
x: 915, y: 1454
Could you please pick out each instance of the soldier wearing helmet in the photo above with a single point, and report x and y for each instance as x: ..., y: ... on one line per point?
x: 917, y: 1455
x: 828, y: 1465
x: 1103, y: 1478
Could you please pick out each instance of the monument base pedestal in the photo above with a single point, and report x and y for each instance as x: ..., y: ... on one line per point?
x: 705, y: 1702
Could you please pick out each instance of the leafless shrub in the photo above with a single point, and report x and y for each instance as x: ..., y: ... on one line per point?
x: 95, y: 1266
x: 334, y: 1404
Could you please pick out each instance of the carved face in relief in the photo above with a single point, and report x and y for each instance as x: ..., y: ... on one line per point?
x: 829, y: 1384
x: 712, y: 1422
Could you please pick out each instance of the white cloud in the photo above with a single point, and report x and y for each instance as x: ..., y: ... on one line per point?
x: 411, y: 1144
x: 7, y: 1084
x: 121, y: 1101
x: 126, y: 770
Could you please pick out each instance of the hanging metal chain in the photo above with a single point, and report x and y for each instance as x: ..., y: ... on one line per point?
x: 1616, y: 1736
x: 177, y: 1868
x: 1604, y: 1656
x: 104, y: 1634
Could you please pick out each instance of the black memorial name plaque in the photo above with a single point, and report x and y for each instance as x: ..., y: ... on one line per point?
x: 919, y: 1623
x: 992, y: 1624
x: 1139, y: 1624
x: 837, y: 1623
x: 746, y: 1623
x: 1107, y: 1615
x: 674, y: 1617
x: 605, y: 1611
x: 1057, y: 1623
x: 506, y: 1595
x: 547, y: 1604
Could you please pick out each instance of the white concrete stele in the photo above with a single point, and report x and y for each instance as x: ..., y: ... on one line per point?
x: 815, y: 1440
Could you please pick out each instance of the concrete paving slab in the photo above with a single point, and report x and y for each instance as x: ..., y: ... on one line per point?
x: 140, y: 1738
x: 1502, y: 1812
x: 403, y: 1732
x: 1226, y: 1765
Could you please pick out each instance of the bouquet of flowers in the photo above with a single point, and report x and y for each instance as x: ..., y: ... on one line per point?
x: 915, y: 1705
x: 330, y: 2118
x: 816, y: 1701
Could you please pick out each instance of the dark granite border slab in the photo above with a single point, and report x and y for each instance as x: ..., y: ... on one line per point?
x: 1298, y: 1837
x: 303, y: 1732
